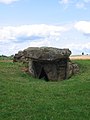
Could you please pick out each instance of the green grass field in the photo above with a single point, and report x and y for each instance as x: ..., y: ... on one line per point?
x: 25, y: 98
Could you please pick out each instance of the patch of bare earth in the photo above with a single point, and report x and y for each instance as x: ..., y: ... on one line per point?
x: 6, y: 60
x: 80, y: 57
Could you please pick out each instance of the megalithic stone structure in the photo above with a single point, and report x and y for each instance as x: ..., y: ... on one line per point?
x: 51, y: 64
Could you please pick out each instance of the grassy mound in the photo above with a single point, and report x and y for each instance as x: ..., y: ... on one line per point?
x: 25, y: 98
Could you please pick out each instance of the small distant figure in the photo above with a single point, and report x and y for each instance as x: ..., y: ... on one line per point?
x: 82, y: 53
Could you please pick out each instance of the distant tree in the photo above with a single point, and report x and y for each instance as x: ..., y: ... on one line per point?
x: 82, y: 53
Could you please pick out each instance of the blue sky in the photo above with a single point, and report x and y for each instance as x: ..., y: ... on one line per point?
x: 52, y: 23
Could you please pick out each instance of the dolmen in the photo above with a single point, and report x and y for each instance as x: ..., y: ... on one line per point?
x: 48, y: 63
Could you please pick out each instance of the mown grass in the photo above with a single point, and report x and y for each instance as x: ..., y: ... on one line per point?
x: 25, y: 98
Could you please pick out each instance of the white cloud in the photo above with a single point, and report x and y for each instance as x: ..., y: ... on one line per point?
x: 80, y: 5
x: 8, y: 1
x: 75, y: 3
x: 15, y: 38
x: 83, y: 26
x: 63, y: 1
x: 11, y: 33
x: 79, y: 48
x: 21, y: 37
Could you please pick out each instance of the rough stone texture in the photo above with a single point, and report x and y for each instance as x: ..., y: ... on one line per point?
x: 46, y: 53
x: 53, y: 70
x: 72, y: 69
x: 69, y: 69
x: 18, y: 57
x: 48, y: 63
x: 75, y: 68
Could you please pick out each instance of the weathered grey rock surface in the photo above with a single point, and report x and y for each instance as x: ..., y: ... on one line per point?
x: 46, y: 53
x: 48, y: 63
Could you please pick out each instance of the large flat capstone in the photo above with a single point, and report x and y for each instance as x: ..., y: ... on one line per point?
x: 46, y: 53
